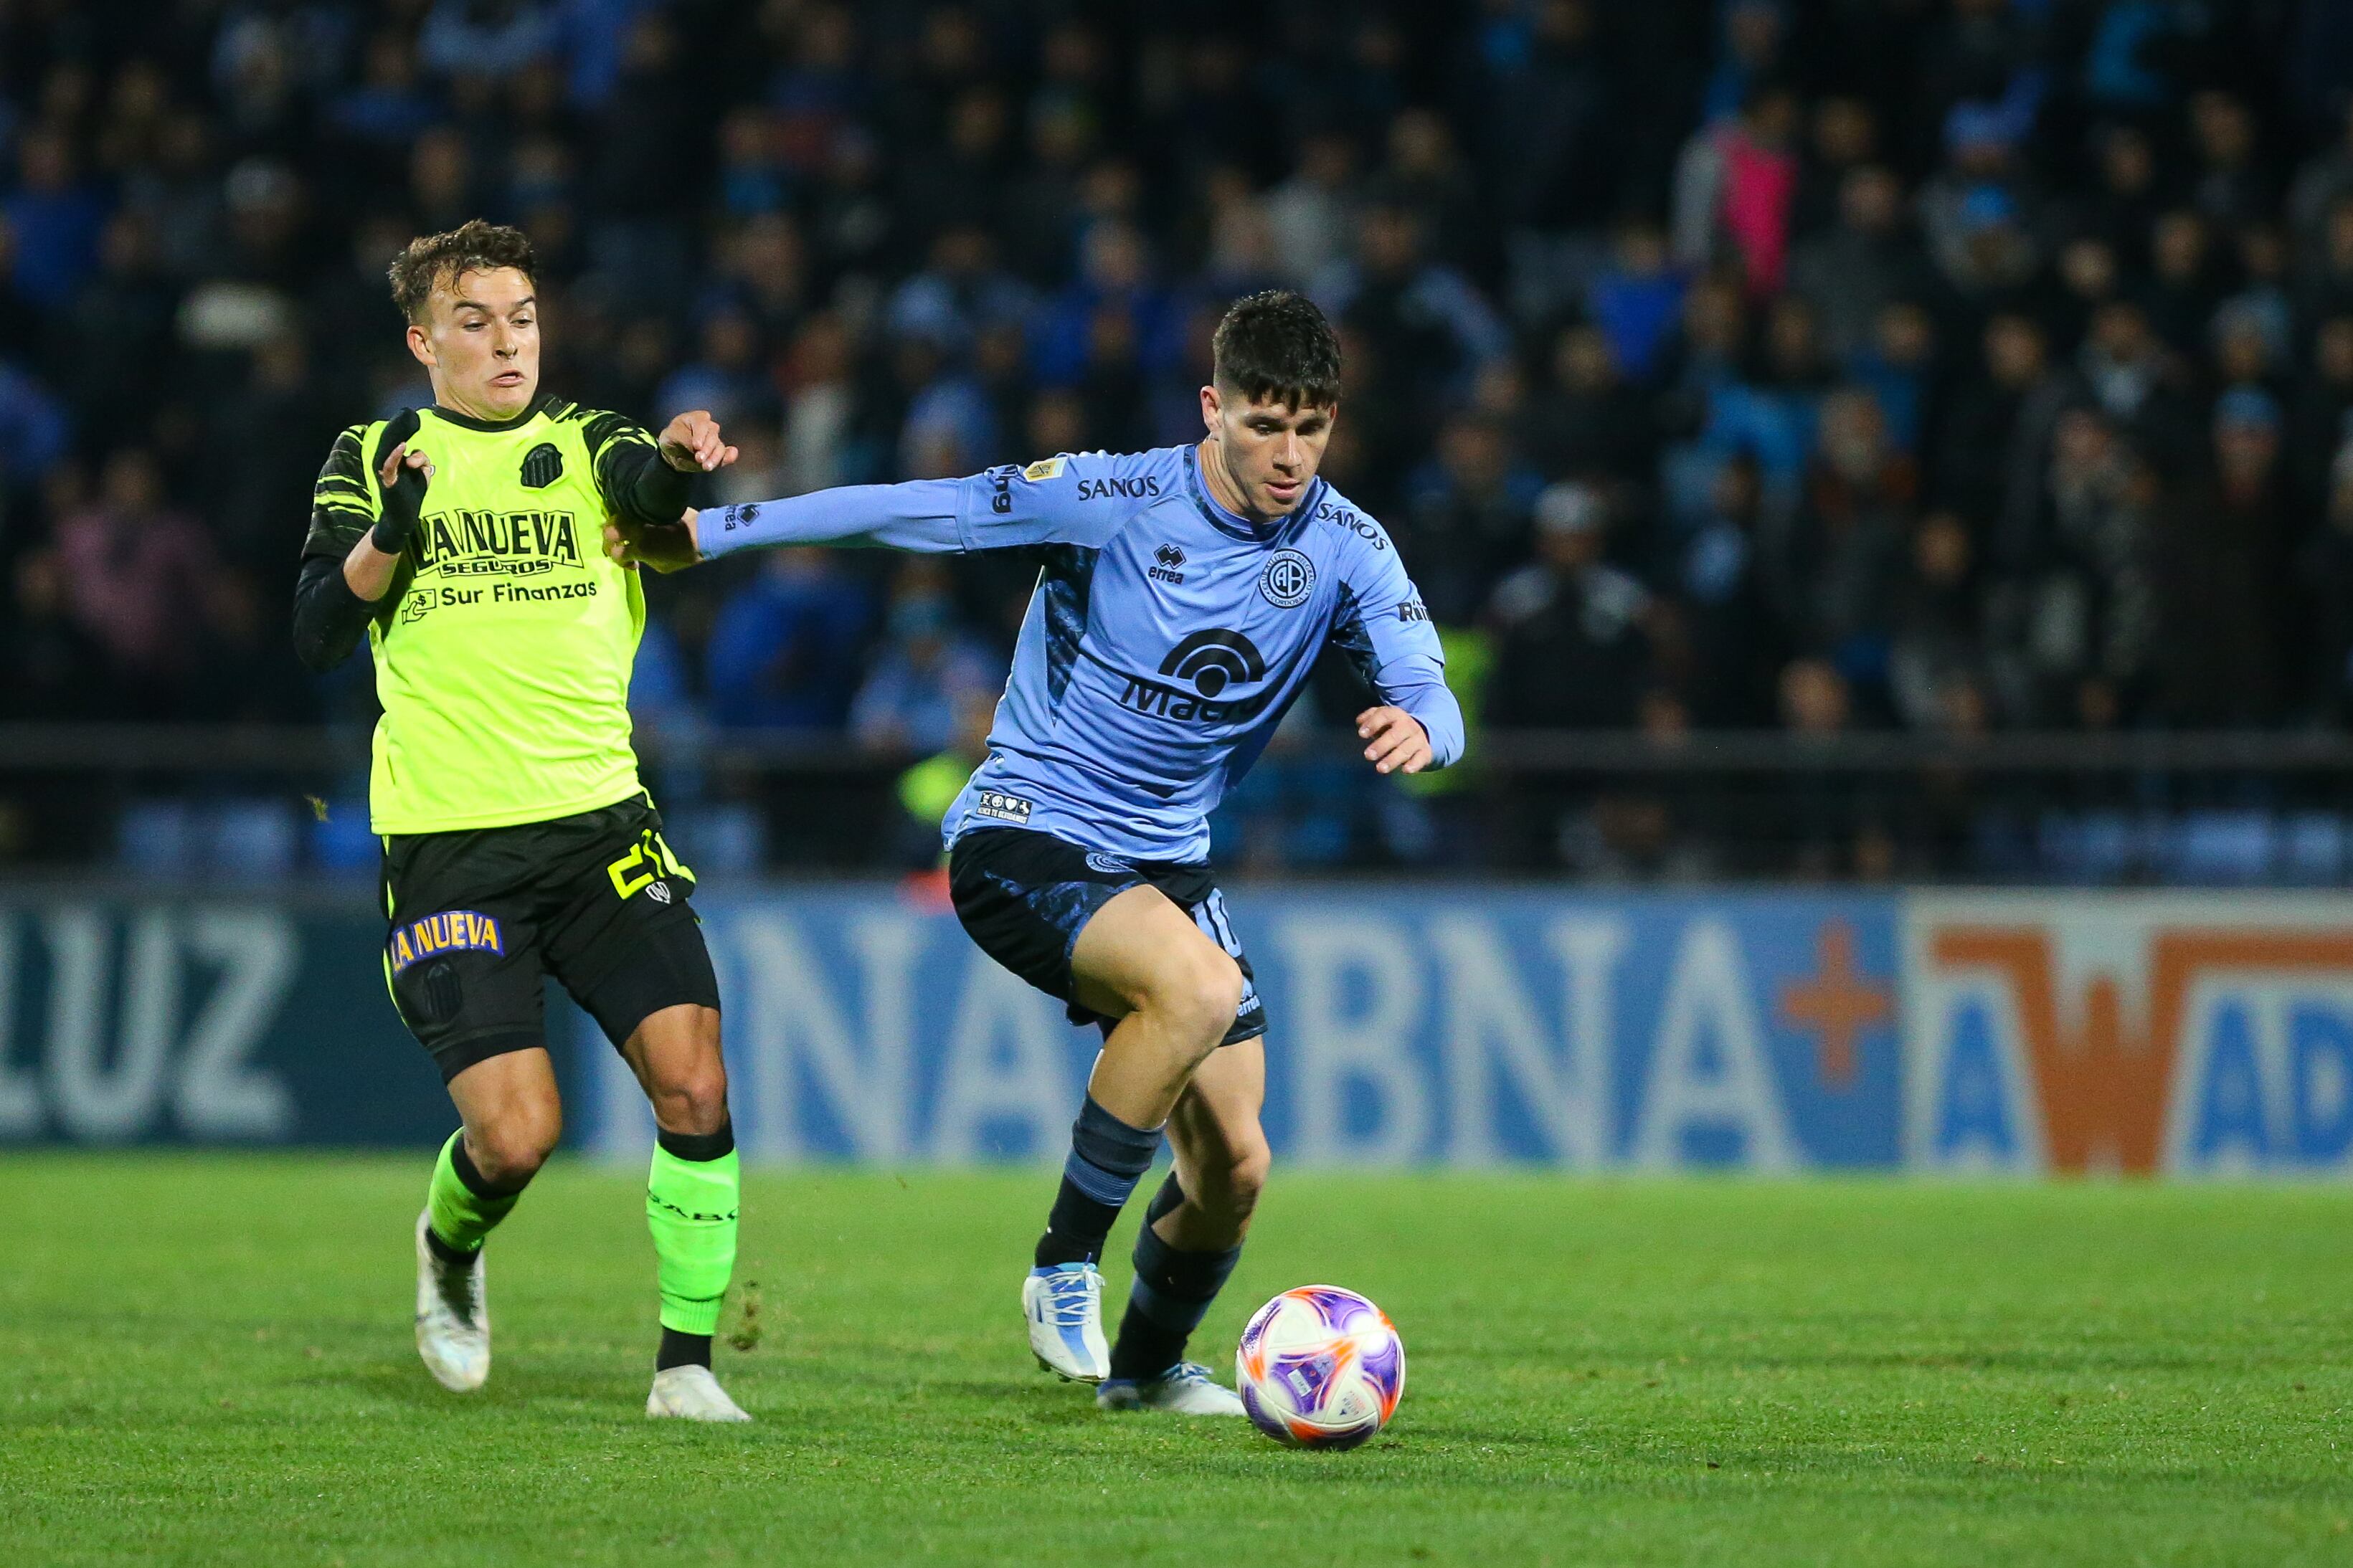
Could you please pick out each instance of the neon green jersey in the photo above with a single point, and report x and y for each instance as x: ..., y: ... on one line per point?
x: 502, y: 652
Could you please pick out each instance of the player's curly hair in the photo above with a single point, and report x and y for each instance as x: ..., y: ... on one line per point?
x: 434, y: 259
x: 1277, y: 346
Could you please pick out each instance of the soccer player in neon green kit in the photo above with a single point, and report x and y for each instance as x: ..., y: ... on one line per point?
x: 463, y: 540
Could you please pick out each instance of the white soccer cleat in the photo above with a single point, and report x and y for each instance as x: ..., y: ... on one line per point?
x: 453, y: 1318
x: 691, y: 1394
x: 1064, y: 1307
x: 1186, y: 1390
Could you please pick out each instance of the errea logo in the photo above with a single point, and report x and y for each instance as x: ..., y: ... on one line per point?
x: 1165, y: 562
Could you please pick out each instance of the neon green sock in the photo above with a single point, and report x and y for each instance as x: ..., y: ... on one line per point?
x: 691, y: 1209
x: 460, y: 1215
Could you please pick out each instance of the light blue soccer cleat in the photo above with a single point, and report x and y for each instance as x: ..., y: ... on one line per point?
x: 1185, y: 1388
x: 1064, y: 1307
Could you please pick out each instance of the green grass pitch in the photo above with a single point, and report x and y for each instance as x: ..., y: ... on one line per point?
x: 209, y: 1361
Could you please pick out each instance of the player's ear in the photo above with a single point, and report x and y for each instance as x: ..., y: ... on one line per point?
x: 1209, y: 406
x: 420, y: 344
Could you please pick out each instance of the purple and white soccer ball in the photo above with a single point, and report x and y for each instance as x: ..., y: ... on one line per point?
x: 1320, y: 1367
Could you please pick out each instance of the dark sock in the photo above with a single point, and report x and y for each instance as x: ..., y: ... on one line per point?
x: 699, y: 1146
x: 447, y: 1254
x: 1108, y: 1157
x: 683, y: 1350
x: 1172, y: 1293
x: 481, y: 1186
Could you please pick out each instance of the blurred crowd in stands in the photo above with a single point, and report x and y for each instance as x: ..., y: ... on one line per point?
x: 1827, y: 364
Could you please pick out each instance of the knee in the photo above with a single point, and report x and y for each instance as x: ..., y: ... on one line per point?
x: 509, y: 1150
x: 694, y: 1099
x: 1198, y: 994
x: 1244, y: 1178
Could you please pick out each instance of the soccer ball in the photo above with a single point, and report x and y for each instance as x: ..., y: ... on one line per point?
x: 1320, y: 1367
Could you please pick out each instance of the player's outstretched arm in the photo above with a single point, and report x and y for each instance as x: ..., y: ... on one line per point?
x: 918, y: 515
x: 1059, y: 500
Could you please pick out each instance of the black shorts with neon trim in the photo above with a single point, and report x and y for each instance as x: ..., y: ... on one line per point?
x: 478, y: 918
x: 1024, y: 897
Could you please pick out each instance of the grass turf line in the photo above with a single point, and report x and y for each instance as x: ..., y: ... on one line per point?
x: 211, y: 1362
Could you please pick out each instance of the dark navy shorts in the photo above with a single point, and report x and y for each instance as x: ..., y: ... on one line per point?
x: 1025, y: 897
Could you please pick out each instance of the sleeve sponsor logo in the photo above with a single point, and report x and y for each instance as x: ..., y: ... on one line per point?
x: 1046, y: 468
x: 1355, y: 522
x: 1409, y: 610
x: 452, y: 931
x: 1143, y: 487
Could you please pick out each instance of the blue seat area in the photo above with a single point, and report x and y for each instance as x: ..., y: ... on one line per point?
x: 249, y: 840
x: 722, y: 839
x: 2091, y: 848
x: 2218, y: 849
x: 2311, y: 850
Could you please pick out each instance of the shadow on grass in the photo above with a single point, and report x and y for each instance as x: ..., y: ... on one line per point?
x: 510, y: 1388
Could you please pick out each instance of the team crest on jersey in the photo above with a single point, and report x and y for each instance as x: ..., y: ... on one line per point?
x: 1044, y: 469
x: 1289, y: 578
x: 542, y: 466
x: 451, y: 931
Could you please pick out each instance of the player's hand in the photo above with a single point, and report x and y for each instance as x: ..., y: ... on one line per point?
x: 402, y: 471
x: 1395, y: 741
x: 691, y: 443
x: 665, y: 547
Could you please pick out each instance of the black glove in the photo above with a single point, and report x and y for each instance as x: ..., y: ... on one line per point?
x: 404, y: 496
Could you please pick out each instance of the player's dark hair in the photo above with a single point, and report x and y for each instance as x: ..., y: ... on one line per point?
x: 433, y: 260
x: 1277, y: 347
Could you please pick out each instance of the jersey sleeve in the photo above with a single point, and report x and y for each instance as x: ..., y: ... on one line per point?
x: 1385, y: 631
x: 1075, y: 499
x: 631, y: 478
x: 346, y: 502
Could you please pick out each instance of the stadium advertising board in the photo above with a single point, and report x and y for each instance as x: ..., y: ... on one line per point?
x: 2179, y: 1033
x: 1970, y: 1033
x: 1466, y: 1026
x: 155, y: 1021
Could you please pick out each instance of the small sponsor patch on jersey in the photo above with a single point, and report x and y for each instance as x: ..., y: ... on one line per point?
x: 451, y: 931
x: 1412, y: 610
x: 1044, y: 469
x: 1289, y: 578
x: 1108, y: 865
x: 542, y: 466
x: 1002, y: 806
x: 658, y: 892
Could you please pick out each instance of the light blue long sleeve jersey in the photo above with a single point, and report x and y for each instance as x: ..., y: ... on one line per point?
x: 1166, y: 637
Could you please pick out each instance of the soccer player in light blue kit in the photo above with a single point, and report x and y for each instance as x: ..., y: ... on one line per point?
x: 1185, y: 596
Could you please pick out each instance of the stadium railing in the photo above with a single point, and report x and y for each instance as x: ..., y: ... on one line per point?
x: 264, y: 803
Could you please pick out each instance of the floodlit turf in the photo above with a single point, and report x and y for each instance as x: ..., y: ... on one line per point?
x: 209, y: 1361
